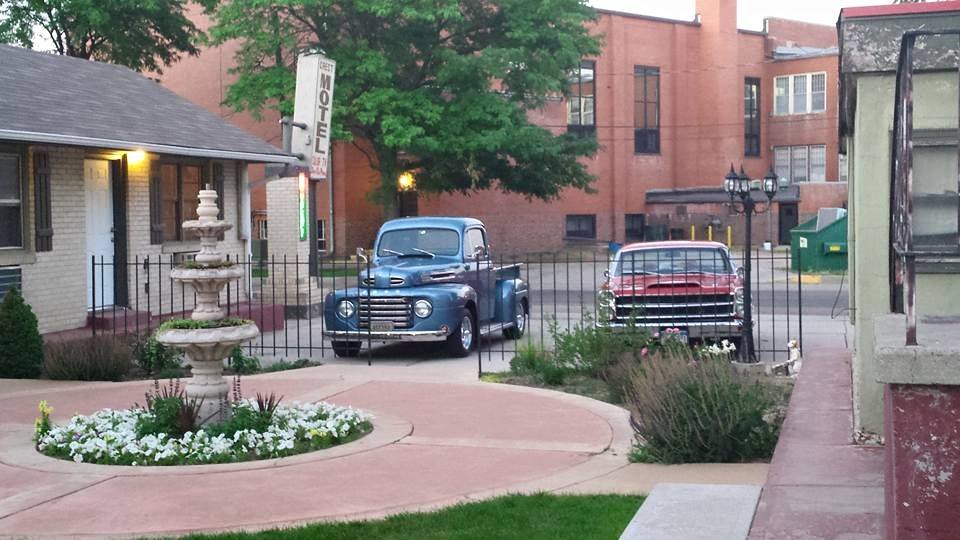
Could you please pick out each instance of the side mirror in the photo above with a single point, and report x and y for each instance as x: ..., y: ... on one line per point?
x: 362, y: 255
x: 478, y: 252
x: 741, y: 273
x: 606, y: 274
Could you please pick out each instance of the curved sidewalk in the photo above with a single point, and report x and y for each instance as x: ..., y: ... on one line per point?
x: 435, y: 443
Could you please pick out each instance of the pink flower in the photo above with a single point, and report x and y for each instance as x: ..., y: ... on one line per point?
x: 644, y: 351
x: 656, y: 334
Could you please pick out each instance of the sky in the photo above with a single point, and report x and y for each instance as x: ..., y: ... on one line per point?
x: 750, y: 13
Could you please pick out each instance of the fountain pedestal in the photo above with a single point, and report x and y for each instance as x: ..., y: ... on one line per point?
x: 207, y: 347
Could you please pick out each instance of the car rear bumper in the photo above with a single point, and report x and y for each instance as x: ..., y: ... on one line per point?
x: 393, y: 335
x: 695, y: 330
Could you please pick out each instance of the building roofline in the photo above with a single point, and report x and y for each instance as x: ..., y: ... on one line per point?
x: 899, y: 9
x: 91, y: 142
x: 695, y: 22
x: 765, y: 19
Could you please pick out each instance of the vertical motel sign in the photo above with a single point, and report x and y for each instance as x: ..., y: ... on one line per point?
x: 313, y: 106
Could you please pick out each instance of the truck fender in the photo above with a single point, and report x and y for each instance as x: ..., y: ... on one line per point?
x: 509, y: 292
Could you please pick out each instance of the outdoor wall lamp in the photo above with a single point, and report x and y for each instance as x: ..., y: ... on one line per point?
x: 737, y: 187
x: 406, y: 181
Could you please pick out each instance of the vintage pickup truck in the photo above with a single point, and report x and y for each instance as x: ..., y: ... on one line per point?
x: 691, y: 286
x: 430, y: 279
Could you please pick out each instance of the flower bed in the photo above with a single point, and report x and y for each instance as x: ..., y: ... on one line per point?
x: 123, y: 437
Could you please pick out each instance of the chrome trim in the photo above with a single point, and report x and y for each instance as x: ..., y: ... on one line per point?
x: 694, y: 329
x: 396, y: 335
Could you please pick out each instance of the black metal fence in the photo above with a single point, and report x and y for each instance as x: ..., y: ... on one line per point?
x: 689, y: 291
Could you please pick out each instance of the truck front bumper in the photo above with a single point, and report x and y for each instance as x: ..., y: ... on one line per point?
x: 393, y: 335
x: 695, y: 330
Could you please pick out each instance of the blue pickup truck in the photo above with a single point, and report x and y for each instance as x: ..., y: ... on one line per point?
x: 431, y: 279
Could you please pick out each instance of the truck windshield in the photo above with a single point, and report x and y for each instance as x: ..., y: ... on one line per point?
x: 419, y: 243
x: 672, y: 261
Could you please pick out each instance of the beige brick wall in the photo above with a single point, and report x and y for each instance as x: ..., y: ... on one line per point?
x: 283, y: 208
x: 56, y: 283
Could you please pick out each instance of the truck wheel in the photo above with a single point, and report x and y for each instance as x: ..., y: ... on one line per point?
x: 519, y: 323
x: 346, y: 349
x: 463, y: 339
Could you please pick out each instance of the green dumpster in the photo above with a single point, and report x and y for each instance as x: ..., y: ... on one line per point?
x: 819, y: 245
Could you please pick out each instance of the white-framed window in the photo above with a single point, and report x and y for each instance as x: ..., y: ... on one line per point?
x: 802, y: 93
x: 262, y: 229
x: 11, y: 202
x: 321, y: 235
x: 842, y: 168
x: 801, y: 163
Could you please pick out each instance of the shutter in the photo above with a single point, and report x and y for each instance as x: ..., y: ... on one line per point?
x: 43, y: 217
x: 156, y: 209
x: 218, y: 187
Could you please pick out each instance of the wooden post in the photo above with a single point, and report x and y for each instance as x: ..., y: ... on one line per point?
x: 729, y: 237
x: 693, y: 232
x: 710, y: 233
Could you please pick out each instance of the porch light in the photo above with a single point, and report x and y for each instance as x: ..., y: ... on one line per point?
x: 770, y: 183
x: 406, y: 181
x: 136, y: 157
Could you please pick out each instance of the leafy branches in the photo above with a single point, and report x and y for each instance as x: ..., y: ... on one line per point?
x: 441, y: 88
x: 143, y: 36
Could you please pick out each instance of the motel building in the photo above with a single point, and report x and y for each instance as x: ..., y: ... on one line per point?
x: 99, y: 167
x: 672, y: 103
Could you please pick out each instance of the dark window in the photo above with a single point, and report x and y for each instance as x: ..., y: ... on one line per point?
x: 635, y: 224
x: 10, y: 276
x: 179, y: 196
x: 751, y: 117
x: 646, y: 110
x: 11, y: 202
x: 582, y: 226
x: 581, y: 105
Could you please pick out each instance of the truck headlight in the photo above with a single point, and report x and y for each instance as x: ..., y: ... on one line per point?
x: 422, y: 308
x: 346, y: 309
x: 738, y: 301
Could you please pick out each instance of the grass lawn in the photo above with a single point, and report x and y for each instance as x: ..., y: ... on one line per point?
x: 520, y: 517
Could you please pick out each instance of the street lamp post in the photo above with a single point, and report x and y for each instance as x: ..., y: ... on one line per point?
x: 737, y: 187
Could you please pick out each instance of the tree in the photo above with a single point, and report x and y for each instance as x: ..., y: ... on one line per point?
x: 438, y: 88
x: 21, y: 347
x: 142, y: 35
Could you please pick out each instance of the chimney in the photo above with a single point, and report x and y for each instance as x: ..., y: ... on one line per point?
x: 720, y: 15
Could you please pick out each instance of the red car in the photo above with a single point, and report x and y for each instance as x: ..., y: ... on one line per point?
x: 691, y: 286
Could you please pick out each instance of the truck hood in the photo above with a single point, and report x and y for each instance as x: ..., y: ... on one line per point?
x: 674, y: 284
x: 413, y: 272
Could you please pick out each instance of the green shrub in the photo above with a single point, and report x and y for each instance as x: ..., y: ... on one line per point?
x: 283, y: 365
x: 21, y: 347
x: 586, y: 348
x: 154, y: 357
x: 695, y: 411
x: 96, y: 358
x: 173, y: 413
x: 532, y: 360
x: 241, y: 363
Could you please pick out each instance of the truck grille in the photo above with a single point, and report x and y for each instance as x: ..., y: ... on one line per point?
x: 675, y: 310
x: 394, y: 281
x: 393, y: 310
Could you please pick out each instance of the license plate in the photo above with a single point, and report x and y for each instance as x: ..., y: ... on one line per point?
x: 381, y: 326
x: 682, y: 336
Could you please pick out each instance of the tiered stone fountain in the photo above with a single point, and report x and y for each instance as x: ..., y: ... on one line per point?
x: 207, y: 347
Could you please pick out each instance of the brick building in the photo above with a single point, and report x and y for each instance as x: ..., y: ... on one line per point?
x: 672, y: 103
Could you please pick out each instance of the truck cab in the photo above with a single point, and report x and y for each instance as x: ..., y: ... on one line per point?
x: 430, y: 279
x: 690, y: 287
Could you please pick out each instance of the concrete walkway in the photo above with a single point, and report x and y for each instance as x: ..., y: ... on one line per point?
x: 439, y: 439
x: 820, y: 485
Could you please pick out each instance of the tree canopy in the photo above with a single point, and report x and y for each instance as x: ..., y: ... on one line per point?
x: 143, y: 35
x: 440, y: 88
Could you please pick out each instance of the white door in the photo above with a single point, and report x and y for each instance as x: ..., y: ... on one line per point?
x: 99, y: 195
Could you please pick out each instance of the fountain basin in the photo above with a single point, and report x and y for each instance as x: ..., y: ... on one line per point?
x: 208, y: 344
